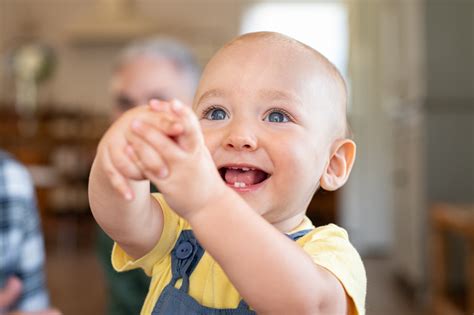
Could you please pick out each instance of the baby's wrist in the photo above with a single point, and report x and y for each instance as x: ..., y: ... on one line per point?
x: 218, y: 196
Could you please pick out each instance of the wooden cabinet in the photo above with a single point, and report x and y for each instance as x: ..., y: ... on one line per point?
x: 58, y: 148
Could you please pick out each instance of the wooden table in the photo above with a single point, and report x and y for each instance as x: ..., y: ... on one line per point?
x: 458, y: 220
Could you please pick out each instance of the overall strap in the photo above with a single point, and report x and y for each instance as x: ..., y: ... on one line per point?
x: 184, y: 258
x: 297, y: 235
x: 187, y: 253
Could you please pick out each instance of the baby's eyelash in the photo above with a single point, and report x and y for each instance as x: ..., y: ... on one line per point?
x: 282, y: 111
x: 209, y: 109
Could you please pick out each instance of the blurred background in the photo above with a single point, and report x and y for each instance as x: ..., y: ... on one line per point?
x: 410, y: 69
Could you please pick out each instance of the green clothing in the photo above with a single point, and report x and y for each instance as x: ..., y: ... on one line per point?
x: 126, y: 291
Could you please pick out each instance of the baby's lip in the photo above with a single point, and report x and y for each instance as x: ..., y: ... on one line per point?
x: 240, y: 165
x: 243, y: 177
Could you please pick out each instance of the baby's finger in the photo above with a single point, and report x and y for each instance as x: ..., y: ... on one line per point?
x: 121, y: 162
x: 147, y: 173
x: 149, y: 159
x: 169, y: 125
x: 117, y: 180
x: 177, y: 106
x: 159, y: 106
x: 192, y: 136
x: 135, y: 159
x: 161, y: 143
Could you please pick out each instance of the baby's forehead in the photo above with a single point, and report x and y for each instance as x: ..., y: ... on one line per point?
x: 259, y: 54
x: 262, y: 57
x: 278, y: 50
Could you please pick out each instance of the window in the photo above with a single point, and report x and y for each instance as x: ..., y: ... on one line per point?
x: 321, y: 25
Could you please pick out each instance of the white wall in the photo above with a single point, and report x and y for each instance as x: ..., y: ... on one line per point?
x: 450, y: 113
x: 387, y: 74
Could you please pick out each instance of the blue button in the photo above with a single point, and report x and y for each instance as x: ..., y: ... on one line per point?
x: 184, y: 250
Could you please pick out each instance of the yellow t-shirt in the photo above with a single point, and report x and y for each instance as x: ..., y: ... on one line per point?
x: 328, y: 246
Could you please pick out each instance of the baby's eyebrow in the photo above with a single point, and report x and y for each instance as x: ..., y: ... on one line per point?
x: 266, y: 94
x: 271, y: 94
x: 211, y: 93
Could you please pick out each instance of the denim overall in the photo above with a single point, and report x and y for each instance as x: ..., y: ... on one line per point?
x: 184, y: 258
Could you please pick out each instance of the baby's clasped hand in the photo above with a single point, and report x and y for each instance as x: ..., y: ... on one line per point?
x: 111, y: 152
x: 174, y: 157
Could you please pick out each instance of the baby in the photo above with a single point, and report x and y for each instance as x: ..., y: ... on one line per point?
x: 228, y: 233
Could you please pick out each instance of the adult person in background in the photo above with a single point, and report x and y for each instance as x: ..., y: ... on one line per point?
x: 22, y: 279
x: 153, y: 68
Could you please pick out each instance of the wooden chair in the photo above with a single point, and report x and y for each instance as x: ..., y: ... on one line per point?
x: 457, y: 220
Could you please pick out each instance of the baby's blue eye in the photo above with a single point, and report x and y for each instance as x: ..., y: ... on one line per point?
x: 277, y: 117
x: 216, y: 114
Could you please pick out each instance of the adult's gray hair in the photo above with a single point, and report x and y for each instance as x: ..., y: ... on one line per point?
x: 162, y: 47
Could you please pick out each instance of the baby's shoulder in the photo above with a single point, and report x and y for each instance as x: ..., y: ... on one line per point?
x: 327, y: 238
x: 329, y: 231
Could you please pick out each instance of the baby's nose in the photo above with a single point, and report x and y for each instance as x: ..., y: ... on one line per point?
x: 241, y: 140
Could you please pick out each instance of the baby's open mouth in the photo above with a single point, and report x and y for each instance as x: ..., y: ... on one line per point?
x: 242, y: 177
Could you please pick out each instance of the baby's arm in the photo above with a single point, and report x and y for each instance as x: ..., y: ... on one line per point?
x: 119, y: 193
x: 272, y: 273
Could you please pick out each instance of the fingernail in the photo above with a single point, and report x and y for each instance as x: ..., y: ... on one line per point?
x: 136, y: 124
x: 176, y: 104
x: 177, y: 127
x: 163, y: 173
x: 129, y: 149
x: 128, y: 196
x: 154, y: 103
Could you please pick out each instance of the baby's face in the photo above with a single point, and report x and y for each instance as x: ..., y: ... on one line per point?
x: 267, y: 117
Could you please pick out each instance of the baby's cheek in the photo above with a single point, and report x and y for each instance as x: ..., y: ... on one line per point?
x: 211, y: 140
x: 304, y: 163
x: 290, y: 160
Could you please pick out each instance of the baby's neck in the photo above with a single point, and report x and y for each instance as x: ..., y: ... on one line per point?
x: 290, y: 223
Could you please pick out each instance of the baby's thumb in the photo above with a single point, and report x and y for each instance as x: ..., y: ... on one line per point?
x: 192, y: 135
x: 10, y: 293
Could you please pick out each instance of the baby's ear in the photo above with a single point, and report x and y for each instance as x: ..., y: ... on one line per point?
x: 340, y: 164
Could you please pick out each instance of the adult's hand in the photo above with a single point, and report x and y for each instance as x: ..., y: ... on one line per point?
x: 49, y: 311
x: 11, y: 292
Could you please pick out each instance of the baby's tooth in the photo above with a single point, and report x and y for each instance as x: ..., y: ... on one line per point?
x: 245, y: 169
x: 236, y: 184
